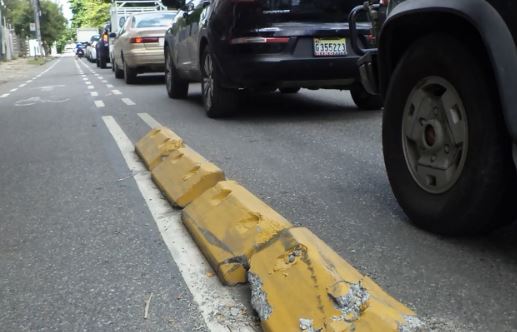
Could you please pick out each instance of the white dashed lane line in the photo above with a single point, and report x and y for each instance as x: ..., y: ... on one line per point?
x: 128, y: 101
x: 94, y: 94
x: 12, y: 90
x: 99, y: 103
x: 4, y: 95
x: 116, y: 92
x: 90, y: 87
x: 109, y: 86
x: 151, y: 122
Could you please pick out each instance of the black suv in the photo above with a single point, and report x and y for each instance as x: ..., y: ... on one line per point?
x: 102, y: 48
x: 448, y: 72
x: 233, y: 45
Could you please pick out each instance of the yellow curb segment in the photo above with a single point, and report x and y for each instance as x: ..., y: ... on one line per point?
x: 299, y: 283
x: 156, y: 145
x: 184, y: 175
x: 229, y: 224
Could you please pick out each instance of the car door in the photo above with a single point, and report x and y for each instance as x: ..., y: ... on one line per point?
x: 181, y: 31
x: 120, y: 42
x: 193, y: 20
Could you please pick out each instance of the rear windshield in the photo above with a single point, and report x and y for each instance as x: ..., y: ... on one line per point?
x: 318, y: 10
x: 154, y: 20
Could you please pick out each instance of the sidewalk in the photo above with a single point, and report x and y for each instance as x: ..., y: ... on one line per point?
x: 19, y: 68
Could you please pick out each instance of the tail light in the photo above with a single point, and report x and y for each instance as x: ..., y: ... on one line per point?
x: 141, y: 40
x: 259, y: 40
x: 385, y: 2
x: 105, y: 37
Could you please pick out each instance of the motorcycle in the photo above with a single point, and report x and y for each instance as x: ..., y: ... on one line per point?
x: 79, y: 52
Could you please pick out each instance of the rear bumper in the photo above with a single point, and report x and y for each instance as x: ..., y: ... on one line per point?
x: 273, y: 70
x: 154, y: 59
x: 293, y: 65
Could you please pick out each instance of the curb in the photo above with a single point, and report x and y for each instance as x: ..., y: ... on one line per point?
x: 298, y: 283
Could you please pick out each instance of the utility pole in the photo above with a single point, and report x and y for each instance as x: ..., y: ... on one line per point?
x: 37, y: 13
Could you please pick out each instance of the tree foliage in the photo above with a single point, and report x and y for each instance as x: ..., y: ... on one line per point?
x: 20, y: 14
x: 90, y: 13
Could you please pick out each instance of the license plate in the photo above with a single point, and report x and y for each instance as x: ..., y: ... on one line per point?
x: 161, y: 41
x: 329, y: 46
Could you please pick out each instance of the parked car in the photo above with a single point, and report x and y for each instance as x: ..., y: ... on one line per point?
x: 450, y: 115
x: 102, y: 49
x: 232, y: 45
x: 91, y: 52
x: 138, y: 47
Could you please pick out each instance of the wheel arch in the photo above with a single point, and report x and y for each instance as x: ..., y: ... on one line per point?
x: 474, y: 22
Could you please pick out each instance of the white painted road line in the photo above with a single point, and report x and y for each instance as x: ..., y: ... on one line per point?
x: 22, y: 85
x: 116, y: 92
x: 94, y: 94
x: 4, y: 95
x: 128, y: 102
x: 12, y: 90
x: 99, y: 103
x: 90, y: 87
x: 213, y: 300
x: 151, y: 122
x: 109, y: 86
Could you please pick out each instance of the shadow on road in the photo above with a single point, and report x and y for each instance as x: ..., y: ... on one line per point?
x: 148, y: 79
x: 330, y: 105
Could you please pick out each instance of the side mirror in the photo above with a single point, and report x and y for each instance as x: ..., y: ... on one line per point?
x: 177, y: 4
x: 113, y: 35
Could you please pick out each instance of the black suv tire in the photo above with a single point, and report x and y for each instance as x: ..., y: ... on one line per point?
x: 217, y: 100
x: 482, y: 194
x: 364, y: 100
x: 177, y: 88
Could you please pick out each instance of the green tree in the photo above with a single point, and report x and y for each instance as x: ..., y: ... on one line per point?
x: 90, y: 13
x: 20, y: 14
x: 53, y: 23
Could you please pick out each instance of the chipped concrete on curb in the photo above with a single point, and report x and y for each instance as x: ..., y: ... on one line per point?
x: 413, y: 324
x: 353, y: 303
x: 259, y: 297
x: 306, y: 325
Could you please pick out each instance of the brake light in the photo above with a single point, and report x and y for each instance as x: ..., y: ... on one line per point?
x: 140, y: 40
x: 260, y: 40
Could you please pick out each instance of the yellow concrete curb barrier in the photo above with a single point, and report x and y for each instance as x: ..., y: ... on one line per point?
x: 184, y: 175
x: 298, y: 283
x: 229, y: 224
x: 156, y: 145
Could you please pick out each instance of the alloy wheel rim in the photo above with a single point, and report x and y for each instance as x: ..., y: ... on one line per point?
x: 208, y: 81
x: 435, y: 135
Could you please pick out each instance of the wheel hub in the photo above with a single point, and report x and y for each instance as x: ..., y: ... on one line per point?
x: 435, y: 135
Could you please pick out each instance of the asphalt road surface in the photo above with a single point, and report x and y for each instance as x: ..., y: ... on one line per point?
x: 82, y: 244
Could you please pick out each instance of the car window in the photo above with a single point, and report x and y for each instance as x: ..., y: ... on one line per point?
x: 153, y: 20
x: 319, y: 10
